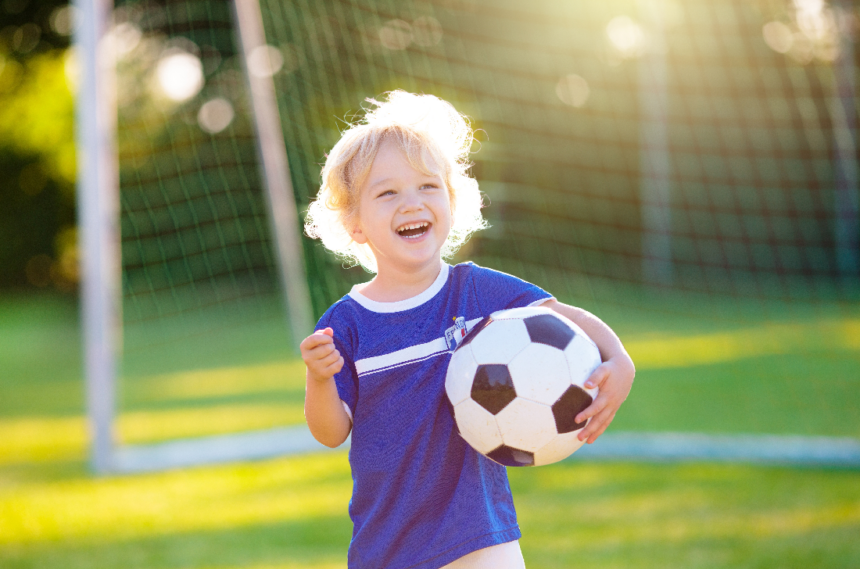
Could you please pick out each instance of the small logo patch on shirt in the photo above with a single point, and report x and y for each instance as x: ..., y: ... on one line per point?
x: 455, y: 333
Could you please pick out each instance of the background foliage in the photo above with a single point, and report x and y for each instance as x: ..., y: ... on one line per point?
x: 37, y: 155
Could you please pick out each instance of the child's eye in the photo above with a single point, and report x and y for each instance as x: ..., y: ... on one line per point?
x: 386, y: 193
x: 430, y: 187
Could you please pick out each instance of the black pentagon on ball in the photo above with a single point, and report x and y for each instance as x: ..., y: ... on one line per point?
x: 510, y: 456
x: 493, y: 387
x: 568, y: 406
x: 550, y: 330
x: 474, y: 331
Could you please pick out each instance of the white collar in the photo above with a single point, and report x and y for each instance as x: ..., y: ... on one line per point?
x: 406, y: 304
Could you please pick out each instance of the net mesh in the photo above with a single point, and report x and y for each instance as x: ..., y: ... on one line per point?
x: 687, y: 171
x: 203, y: 324
x: 617, y: 136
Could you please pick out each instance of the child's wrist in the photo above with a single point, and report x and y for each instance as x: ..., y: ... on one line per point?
x: 317, y: 378
x: 623, y: 361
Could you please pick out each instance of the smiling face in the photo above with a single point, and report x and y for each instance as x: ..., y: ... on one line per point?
x: 404, y: 215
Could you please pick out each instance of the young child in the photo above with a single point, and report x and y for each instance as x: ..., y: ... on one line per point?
x: 396, y: 197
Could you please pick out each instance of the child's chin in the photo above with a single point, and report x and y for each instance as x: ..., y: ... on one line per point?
x: 422, y: 257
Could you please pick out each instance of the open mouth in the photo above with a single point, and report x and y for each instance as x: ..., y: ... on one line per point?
x: 413, y: 230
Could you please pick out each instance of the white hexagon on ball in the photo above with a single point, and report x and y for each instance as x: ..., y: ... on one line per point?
x: 477, y: 426
x: 546, y: 363
x: 461, y: 374
x: 583, y: 358
x: 559, y: 448
x: 499, y: 342
x: 526, y: 425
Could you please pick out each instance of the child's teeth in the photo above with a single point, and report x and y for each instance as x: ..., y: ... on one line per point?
x: 410, y: 227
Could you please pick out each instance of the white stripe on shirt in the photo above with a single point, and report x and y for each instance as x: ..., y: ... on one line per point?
x: 412, y: 354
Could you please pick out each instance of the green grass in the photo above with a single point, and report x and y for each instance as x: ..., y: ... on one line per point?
x: 291, y: 513
x: 731, y: 370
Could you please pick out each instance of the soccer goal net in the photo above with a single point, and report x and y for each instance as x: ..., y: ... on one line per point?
x: 685, y: 170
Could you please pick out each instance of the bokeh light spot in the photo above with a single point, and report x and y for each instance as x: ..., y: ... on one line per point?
x: 26, y: 38
x: 62, y: 20
x: 396, y: 34
x: 778, y: 36
x: 215, y: 115
x: 126, y: 37
x: 626, y: 36
x: 265, y: 61
x: 426, y: 31
x: 180, y: 75
x: 573, y: 90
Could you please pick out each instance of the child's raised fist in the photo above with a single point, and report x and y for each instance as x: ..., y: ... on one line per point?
x: 321, y: 357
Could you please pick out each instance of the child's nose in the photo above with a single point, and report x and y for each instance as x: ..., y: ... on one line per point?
x: 412, y: 202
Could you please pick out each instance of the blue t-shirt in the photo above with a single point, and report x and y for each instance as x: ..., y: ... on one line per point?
x: 422, y: 497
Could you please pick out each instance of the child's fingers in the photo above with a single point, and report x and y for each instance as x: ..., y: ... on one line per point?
x: 328, y: 359
x: 311, y: 343
x: 319, y: 352
x: 335, y: 367
x: 592, y: 410
x: 594, y: 424
x: 316, y: 339
x: 599, y: 429
x: 325, y: 367
x: 328, y: 369
x: 598, y: 376
x: 319, y: 365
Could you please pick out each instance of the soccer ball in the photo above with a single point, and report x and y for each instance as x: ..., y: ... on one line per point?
x: 516, y: 384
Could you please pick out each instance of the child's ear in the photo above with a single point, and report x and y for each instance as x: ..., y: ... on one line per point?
x: 358, y: 236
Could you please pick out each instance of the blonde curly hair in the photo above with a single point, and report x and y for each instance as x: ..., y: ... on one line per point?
x: 432, y: 135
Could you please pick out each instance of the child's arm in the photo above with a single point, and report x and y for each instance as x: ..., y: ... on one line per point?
x: 324, y: 412
x: 614, y: 376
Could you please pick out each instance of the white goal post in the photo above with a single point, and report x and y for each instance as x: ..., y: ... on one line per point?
x: 98, y: 211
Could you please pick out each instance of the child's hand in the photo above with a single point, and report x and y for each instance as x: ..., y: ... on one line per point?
x: 614, y: 378
x: 321, y: 357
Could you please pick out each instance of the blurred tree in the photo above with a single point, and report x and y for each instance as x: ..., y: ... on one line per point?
x: 30, y: 27
x: 37, y: 155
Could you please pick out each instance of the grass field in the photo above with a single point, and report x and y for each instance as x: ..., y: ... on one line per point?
x: 736, y: 369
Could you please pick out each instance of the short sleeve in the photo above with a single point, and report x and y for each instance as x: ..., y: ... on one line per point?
x: 346, y: 380
x: 496, y: 290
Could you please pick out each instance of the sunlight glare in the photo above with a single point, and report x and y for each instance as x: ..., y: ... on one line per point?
x: 626, y: 36
x: 180, y: 75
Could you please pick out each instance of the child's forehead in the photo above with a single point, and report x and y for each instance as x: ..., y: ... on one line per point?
x: 392, y: 158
